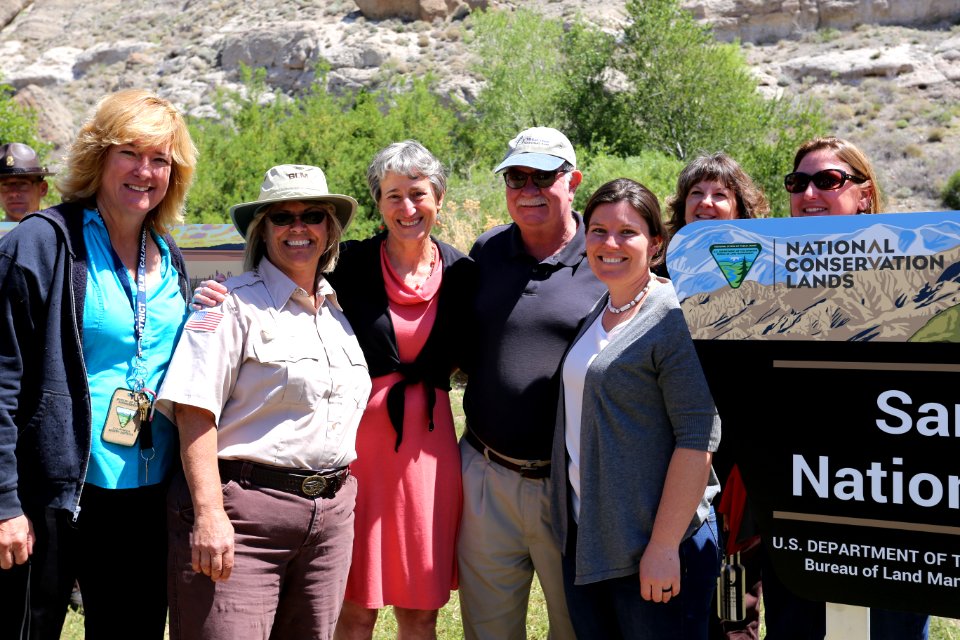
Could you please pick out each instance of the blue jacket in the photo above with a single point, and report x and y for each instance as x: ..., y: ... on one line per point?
x: 45, y: 429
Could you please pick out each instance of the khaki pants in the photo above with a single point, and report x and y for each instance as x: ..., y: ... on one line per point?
x: 505, y: 536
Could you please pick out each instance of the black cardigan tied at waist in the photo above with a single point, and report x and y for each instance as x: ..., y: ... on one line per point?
x: 413, y: 373
x: 358, y: 281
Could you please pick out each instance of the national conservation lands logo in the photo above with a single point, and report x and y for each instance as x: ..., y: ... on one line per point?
x: 124, y: 415
x: 735, y: 260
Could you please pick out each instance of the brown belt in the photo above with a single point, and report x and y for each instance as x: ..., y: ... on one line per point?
x: 300, y: 482
x: 535, y: 469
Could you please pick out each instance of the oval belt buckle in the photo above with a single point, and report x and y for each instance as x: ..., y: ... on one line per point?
x: 314, y: 485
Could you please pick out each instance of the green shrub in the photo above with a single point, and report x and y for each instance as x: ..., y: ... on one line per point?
x: 640, y: 103
x: 664, y: 85
x: 338, y: 134
x: 913, y: 151
x: 656, y: 171
x: 17, y: 123
x: 519, y: 54
x: 951, y: 192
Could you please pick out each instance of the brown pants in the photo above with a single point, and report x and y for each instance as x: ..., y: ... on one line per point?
x: 292, y: 556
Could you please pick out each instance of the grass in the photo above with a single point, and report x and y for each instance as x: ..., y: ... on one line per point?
x: 448, y: 625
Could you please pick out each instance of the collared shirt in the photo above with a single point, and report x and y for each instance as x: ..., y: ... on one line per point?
x: 286, y: 383
x: 526, y: 313
x: 109, y: 352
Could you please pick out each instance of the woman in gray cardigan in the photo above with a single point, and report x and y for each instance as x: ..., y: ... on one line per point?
x: 633, y: 446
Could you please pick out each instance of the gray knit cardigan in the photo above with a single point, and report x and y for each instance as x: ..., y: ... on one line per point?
x: 644, y: 395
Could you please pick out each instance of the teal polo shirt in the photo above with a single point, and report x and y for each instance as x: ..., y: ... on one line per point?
x: 109, y: 353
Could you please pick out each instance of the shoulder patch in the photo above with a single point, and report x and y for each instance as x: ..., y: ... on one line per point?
x: 205, y: 320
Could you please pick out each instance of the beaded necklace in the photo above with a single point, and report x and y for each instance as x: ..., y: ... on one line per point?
x: 632, y: 303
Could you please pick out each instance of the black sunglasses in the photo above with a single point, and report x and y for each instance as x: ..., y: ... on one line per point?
x: 285, y: 218
x: 517, y: 179
x: 826, y: 180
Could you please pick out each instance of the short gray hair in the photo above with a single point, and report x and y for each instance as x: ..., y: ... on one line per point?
x: 408, y: 158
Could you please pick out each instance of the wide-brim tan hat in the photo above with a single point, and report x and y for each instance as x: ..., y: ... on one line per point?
x: 293, y: 182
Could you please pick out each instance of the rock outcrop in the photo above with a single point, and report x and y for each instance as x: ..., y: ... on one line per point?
x: 61, y: 56
x: 55, y: 123
x: 426, y: 10
x: 762, y: 21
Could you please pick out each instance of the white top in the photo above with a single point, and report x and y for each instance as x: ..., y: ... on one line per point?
x: 287, y: 383
x: 575, y: 365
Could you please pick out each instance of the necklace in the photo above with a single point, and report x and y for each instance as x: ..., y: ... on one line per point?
x: 433, y: 264
x: 630, y: 305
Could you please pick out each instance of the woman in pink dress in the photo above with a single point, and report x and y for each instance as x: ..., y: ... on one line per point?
x: 403, y: 293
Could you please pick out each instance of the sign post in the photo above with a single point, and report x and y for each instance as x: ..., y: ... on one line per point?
x: 832, y: 348
x: 847, y: 622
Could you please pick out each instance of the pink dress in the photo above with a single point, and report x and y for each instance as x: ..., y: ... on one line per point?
x: 408, y: 501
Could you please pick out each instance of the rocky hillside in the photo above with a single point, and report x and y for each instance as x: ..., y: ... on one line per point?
x: 888, y: 71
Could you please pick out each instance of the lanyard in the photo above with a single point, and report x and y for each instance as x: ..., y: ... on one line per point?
x: 139, y: 306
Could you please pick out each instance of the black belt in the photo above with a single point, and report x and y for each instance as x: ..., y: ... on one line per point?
x: 535, y: 469
x: 300, y: 482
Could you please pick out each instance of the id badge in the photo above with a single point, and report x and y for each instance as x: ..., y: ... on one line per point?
x: 126, y: 414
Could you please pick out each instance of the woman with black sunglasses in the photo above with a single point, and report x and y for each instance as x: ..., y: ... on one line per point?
x: 268, y: 390
x: 831, y: 177
x: 404, y: 293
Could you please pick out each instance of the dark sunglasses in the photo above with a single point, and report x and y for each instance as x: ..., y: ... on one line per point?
x: 285, y: 218
x: 826, y: 180
x: 516, y: 179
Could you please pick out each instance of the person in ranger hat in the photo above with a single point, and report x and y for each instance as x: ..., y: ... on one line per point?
x: 267, y: 390
x: 22, y: 184
x: 534, y: 288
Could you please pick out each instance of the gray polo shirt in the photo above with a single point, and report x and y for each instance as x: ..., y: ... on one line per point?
x: 525, y: 313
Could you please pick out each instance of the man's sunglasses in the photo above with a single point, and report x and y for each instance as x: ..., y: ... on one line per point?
x: 516, y: 179
x: 310, y: 216
x: 826, y: 180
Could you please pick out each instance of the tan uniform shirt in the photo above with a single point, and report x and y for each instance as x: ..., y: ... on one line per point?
x: 286, y: 383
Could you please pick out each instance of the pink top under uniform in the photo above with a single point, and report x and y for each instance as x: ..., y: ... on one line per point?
x: 408, y: 502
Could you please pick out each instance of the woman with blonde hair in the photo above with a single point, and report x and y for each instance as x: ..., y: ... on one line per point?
x: 832, y: 176
x: 93, y: 296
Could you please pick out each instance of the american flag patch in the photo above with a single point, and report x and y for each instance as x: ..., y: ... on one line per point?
x: 203, y: 321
